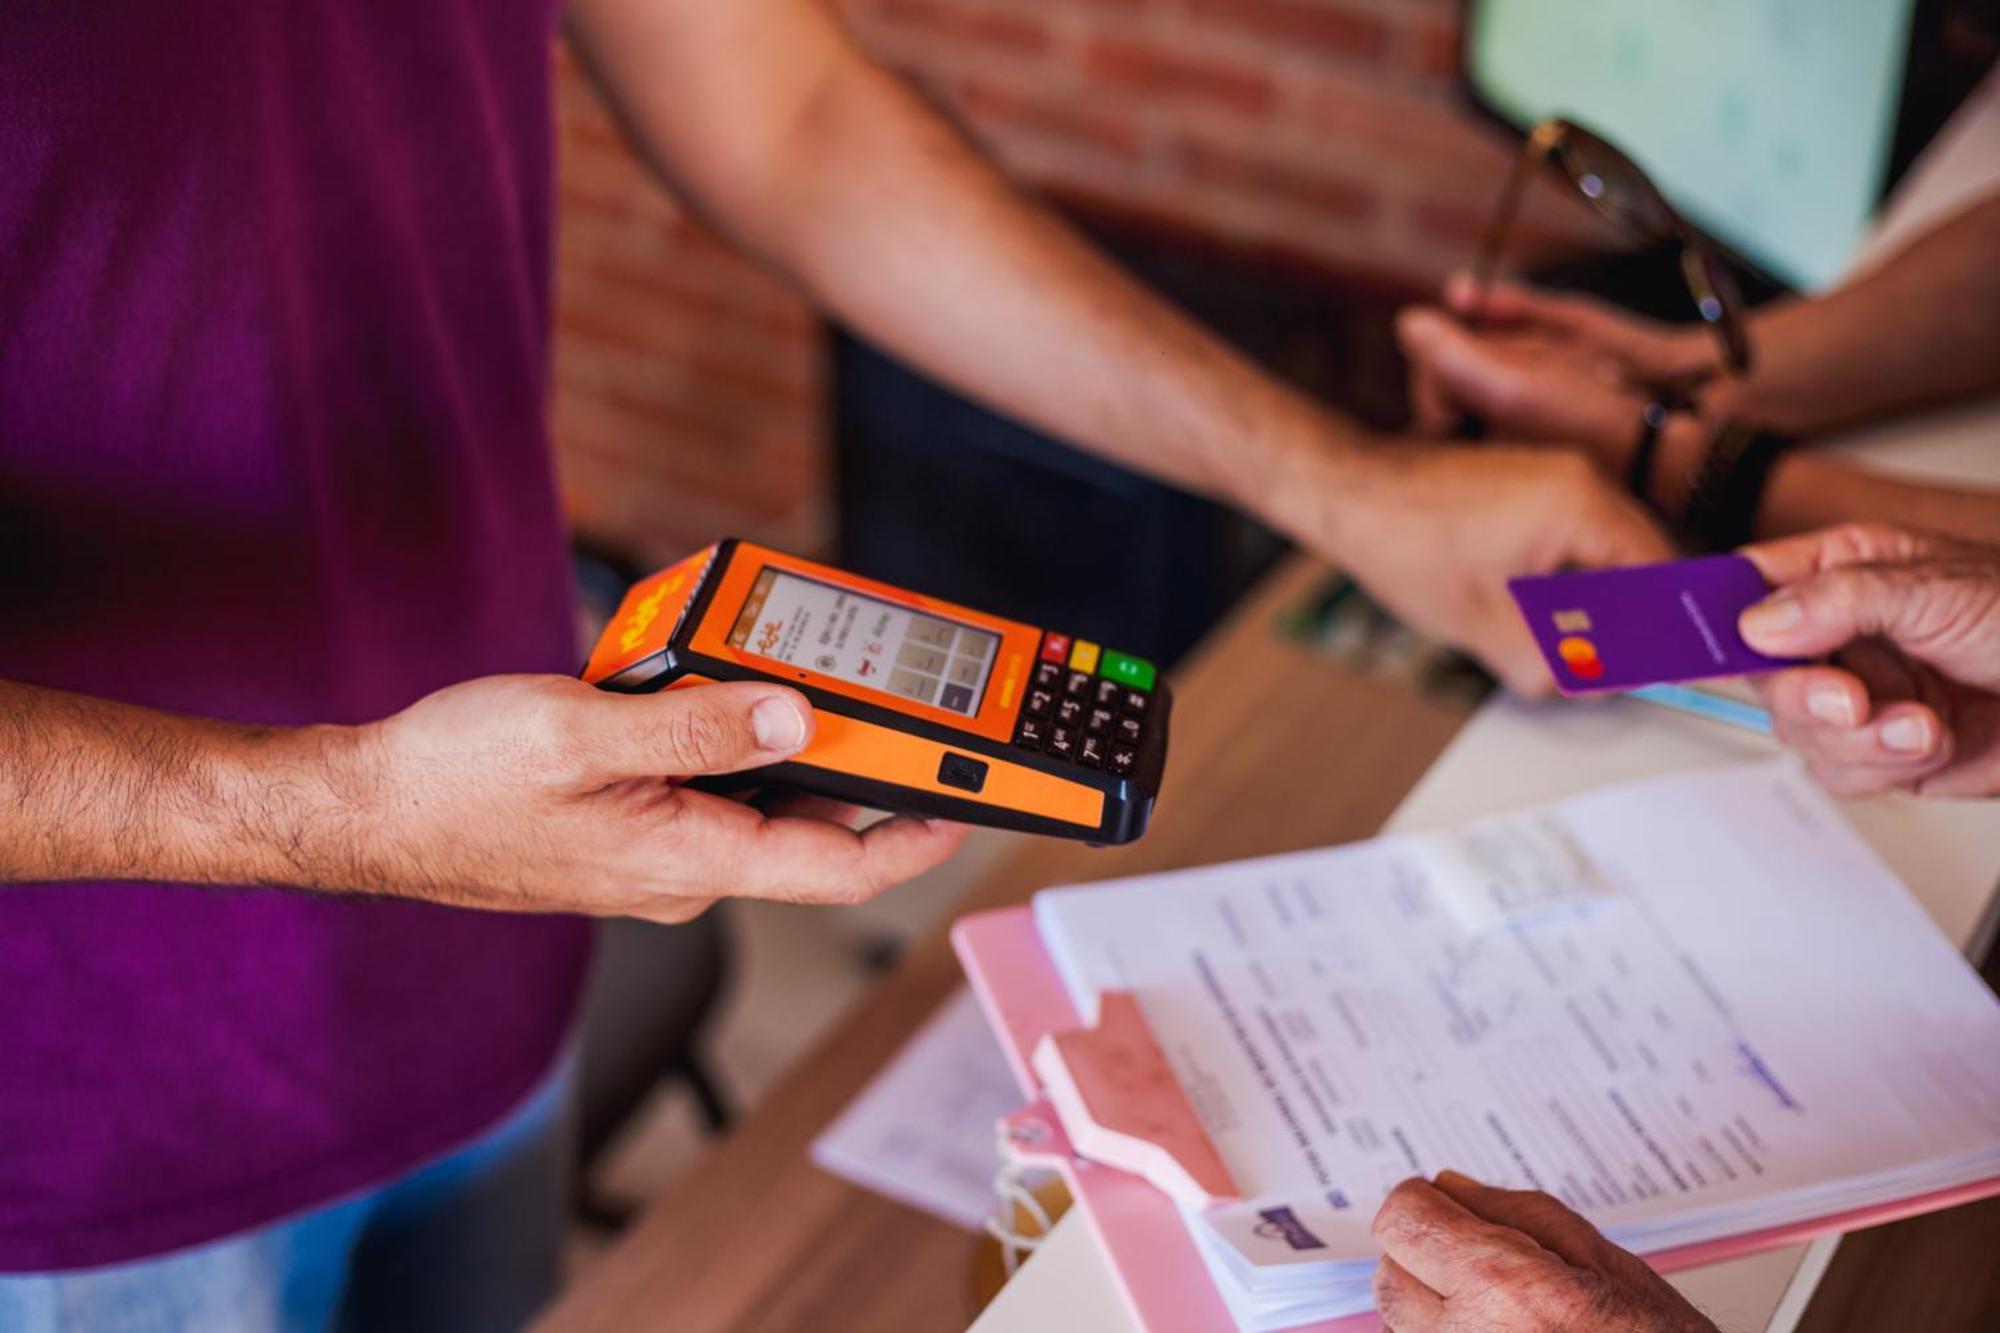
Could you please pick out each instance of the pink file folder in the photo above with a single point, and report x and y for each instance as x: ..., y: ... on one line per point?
x: 1139, y: 1228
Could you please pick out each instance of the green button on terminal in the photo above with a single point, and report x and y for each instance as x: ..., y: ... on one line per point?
x: 1127, y: 670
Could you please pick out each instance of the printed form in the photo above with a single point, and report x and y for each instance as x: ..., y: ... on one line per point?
x: 1687, y: 1008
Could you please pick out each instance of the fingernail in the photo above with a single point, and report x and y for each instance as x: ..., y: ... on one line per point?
x: 1451, y: 1177
x: 1773, y: 617
x: 1907, y: 735
x: 1831, y: 704
x: 778, y: 723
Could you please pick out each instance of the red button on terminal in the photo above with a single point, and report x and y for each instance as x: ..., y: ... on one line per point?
x: 1055, y: 647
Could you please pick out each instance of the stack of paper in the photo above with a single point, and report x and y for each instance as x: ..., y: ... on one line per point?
x: 921, y: 1132
x: 1690, y: 1008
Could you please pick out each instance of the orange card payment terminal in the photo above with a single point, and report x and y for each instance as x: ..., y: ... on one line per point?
x: 923, y: 707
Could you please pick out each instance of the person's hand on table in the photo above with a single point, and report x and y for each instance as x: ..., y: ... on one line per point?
x: 1462, y: 1257
x: 1440, y: 530
x: 1910, y: 695
x: 542, y: 793
x: 1543, y: 366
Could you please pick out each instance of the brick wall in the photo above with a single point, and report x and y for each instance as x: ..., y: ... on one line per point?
x: 689, y: 385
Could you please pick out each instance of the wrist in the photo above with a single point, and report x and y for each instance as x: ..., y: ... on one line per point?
x: 1727, y: 398
x: 1689, y: 356
x: 1325, y: 494
x: 1308, y: 482
x: 298, y: 807
x: 1683, y: 444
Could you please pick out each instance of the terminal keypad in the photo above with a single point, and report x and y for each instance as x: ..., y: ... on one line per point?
x: 1087, y: 705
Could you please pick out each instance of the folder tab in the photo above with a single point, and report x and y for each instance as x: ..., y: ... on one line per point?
x: 1120, y: 1103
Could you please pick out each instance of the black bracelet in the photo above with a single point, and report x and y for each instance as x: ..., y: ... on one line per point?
x: 1652, y: 418
x: 1729, y: 486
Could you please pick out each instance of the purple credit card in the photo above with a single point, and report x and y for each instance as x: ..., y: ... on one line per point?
x: 1619, y: 629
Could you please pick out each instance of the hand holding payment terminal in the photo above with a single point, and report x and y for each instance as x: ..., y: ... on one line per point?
x: 923, y: 707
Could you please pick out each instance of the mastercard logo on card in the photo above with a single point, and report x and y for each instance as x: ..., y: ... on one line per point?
x: 1619, y: 629
x: 1577, y: 652
x: 1580, y: 656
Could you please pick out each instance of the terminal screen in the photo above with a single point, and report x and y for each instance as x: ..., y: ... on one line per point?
x: 850, y: 636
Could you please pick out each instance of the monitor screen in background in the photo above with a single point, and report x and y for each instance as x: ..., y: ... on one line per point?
x: 1767, y: 122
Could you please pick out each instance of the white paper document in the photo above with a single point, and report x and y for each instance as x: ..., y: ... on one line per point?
x: 1689, y: 1007
x: 923, y: 1132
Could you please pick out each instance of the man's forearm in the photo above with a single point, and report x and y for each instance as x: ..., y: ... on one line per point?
x: 945, y: 264
x: 91, y: 789
x: 1920, y: 330
x: 874, y: 204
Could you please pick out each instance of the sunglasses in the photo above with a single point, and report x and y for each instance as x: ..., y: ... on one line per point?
x: 1618, y: 189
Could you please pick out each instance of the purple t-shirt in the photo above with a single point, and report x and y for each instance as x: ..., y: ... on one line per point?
x: 274, y: 313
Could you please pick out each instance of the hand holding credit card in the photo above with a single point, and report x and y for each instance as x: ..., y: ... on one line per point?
x: 1619, y: 629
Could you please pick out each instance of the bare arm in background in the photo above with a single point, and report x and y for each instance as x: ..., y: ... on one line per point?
x: 1921, y: 330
